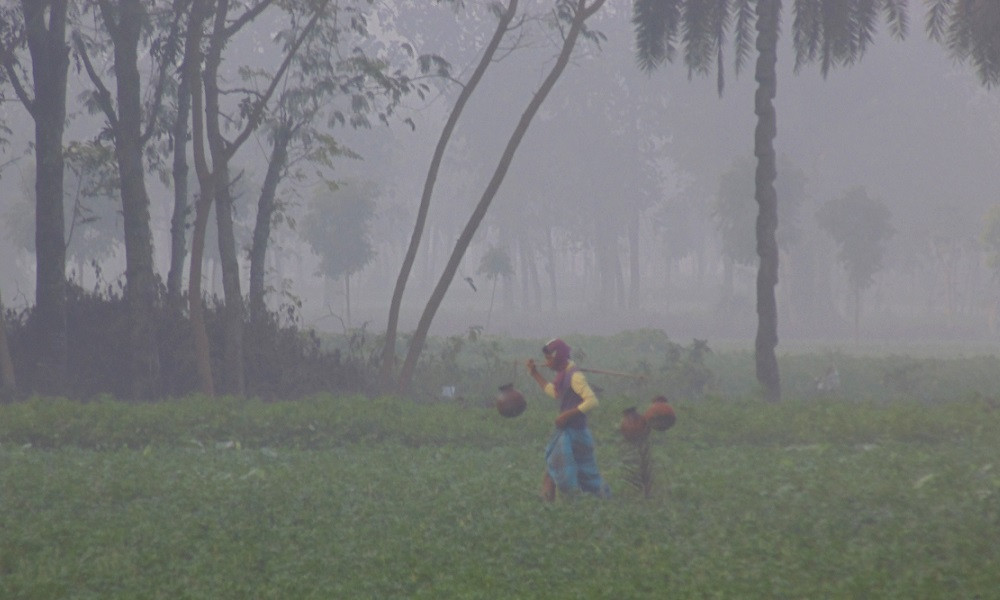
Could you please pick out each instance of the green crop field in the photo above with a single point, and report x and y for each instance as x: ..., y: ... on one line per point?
x: 350, y: 497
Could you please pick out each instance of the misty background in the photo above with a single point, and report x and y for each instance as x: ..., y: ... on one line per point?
x: 614, y: 196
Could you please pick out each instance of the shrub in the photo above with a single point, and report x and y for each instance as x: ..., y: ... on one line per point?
x: 281, y: 361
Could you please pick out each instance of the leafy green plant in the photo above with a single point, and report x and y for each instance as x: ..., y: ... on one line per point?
x: 375, y: 498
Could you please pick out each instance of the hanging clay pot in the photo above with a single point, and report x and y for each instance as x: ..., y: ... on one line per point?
x: 509, y: 401
x: 633, y: 426
x: 660, y: 415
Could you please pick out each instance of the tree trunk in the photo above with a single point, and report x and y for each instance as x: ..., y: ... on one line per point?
x: 582, y: 13
x: 550, y: 268
x: 493, y: 294
x: 49, y: 67
x: 140, y: 290
x: 857, y: 315
x: 529, y: 275
x: 233, y: 380
x: 196, y: 309
x: 605, y: 271
x: 8, y: 385
x: 178, y: 221
x: 262, y: 228
x: 347, y: 299
x: 222, y: 151
x: 634, y: 279
x: 389, y: 348
x: 768, y: 12
x: 196, y: 306
x: 620, y: 299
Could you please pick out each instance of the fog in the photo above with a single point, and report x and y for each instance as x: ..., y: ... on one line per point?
x: 615, y: 149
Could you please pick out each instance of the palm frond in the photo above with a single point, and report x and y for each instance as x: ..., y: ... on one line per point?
x: 838, y: 33
x: 696, y: 31
x: 937, y: 19
x: 656, y: 23
x: 807, y: 31
x: 744, y: 38
x: 863, y: 23
x: 958, y: 34
x: 704, y: 28
x: 721, y: 22
x: 984, y: 45
x: 896, y: 17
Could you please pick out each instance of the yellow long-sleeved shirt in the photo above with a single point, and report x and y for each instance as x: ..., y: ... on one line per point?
x: 580, y: 386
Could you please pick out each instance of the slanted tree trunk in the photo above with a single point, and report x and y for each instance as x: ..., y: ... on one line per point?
x: 581, y: 13
x: 262, y: 229
x: 49, y: 68
x: 389, y: 347
x: 768, y: 12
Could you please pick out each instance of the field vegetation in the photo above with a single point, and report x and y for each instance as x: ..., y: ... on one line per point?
x: 887, y: 487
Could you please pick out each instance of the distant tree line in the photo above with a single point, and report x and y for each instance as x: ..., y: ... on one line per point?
x: 182, y: 86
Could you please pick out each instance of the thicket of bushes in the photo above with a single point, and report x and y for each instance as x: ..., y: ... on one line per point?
x: 281, y: 360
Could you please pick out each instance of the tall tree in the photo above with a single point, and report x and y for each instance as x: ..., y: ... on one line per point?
x: 42, y: 26
x: 323, y: 81
x: 832, y: 32
x: 572, y: 16
x: 337, y: 228
x: 213, y: 152
x: 505, y: 17
x: 179, y: 132
x: 860, y: 225
x: 131, y: 124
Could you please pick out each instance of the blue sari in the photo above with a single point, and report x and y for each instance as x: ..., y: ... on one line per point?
x: 569, y: 457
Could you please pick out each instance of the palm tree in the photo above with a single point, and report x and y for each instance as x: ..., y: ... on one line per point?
x: 832, y: 32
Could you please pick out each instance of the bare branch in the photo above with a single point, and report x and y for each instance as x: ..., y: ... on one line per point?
x: 103, y: 95
x: 258, y: 110
x: 246, y: 17
x: 165, y: 62
x: 22, y: 93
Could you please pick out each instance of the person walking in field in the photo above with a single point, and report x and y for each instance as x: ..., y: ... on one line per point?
x: 570, y: 465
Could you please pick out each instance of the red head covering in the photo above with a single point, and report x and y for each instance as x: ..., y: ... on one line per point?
x: 559, y: 351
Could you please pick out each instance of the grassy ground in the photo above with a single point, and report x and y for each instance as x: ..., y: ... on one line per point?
x: 356, y: 498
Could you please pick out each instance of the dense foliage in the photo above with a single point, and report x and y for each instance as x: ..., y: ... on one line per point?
x: 282, y: 360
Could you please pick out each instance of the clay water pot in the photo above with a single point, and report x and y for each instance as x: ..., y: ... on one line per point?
x: 633, y: 426
x: 660, y: 415
x: 510, y: 402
